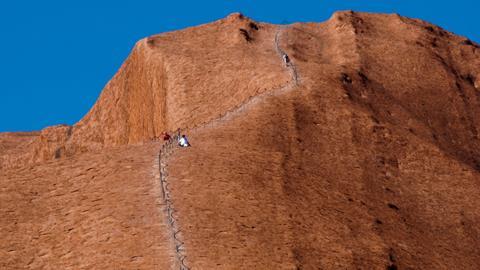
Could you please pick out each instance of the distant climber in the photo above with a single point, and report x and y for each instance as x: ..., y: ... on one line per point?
x: 166, y: 136
x: 286, y: 59
x: 183, y: 142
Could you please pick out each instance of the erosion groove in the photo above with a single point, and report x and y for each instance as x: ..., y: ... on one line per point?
x: 168, y: 148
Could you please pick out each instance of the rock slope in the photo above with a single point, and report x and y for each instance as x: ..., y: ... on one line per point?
x: 370, y: 160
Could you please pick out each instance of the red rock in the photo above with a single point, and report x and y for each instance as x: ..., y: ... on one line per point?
x: 370, y: 160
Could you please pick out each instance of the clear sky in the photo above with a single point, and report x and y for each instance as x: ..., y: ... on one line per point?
x: 56, y: 56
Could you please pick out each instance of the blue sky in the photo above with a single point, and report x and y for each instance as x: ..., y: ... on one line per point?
x: 56, y: 56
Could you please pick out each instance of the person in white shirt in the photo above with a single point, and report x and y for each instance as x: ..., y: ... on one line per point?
x: 286, y: 60
x: 183, y: 142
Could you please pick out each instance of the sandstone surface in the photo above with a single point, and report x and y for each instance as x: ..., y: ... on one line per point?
x: 363, y: 153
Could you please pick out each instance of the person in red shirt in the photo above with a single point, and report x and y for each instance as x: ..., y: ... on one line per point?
x: 166, y: 136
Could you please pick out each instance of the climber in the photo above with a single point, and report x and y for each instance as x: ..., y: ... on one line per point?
x: 166, y: 136
x: 286, y: 59
x: 183, y: 142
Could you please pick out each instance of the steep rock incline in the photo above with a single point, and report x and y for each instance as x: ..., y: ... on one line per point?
x: 93, y: 211
x: 370, y: 163
x: 432, y: 83
x: 164, y: 83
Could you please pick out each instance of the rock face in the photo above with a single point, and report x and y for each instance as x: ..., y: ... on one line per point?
x: 158, y: 87
x: 92, y: 211
x: 370, y: 160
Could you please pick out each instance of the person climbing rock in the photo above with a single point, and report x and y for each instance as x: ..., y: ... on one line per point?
x: 286, y: 59
x: 183, y: 142
x: 166, y: 136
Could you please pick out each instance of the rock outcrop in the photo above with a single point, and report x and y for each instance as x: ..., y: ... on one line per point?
x: 371, y: 160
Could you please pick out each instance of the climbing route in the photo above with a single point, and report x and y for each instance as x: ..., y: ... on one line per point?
x: 282, y: 53
x: 168, y: 148
x: 253, y: 100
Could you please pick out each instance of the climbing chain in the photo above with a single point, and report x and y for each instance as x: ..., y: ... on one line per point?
x: 166, y: 149
x: 292, y: 83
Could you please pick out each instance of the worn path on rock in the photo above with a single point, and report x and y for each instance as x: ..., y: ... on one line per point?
x: 168, y: 148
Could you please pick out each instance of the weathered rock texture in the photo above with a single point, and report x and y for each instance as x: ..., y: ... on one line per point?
x: 371, y: 162
x: 92, y: 211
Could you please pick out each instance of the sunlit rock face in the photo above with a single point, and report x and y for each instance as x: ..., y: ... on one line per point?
x: 368, y: 159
